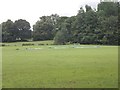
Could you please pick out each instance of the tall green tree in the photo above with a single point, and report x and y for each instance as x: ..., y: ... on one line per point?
x: 23, y: 30
x: 45, y: 28
x: 108, y: 23
x: 79, y: 26
x: 110, y: 8
x: 86, y: 25
x: 61, y: 36
x: 8, y: 30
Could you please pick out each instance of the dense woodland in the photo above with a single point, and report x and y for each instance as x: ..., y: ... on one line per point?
x: 89, y: 26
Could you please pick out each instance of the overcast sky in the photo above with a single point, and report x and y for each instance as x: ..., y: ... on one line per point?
x: 31, y: 10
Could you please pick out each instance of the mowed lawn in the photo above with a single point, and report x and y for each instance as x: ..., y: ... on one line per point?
x: 47, y: 67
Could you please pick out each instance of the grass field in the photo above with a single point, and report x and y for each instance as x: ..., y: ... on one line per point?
x: 51, y: 66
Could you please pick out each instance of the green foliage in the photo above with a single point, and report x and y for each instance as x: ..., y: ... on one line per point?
x: 87, y: 27
x: 60, y: 37
x: 110, y: 8
x: 45, y: 28
x: 8, y: 31
x: 18, y: 30
x: 88, y: 8
x: 23, y: 29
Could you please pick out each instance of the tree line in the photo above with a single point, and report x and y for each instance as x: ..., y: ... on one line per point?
x: 89, y: 26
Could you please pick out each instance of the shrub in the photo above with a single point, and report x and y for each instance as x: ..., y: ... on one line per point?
x: 60, y: 38
x: 41, y: 44
x: 27, y: 44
